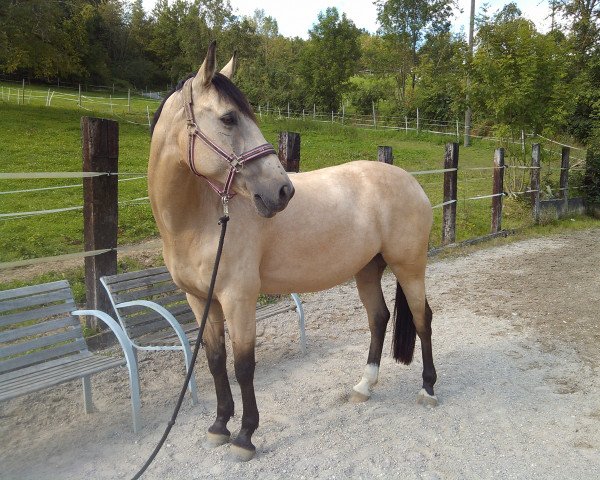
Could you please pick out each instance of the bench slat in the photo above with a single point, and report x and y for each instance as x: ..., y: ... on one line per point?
x: 27, y: 315
x: 42, y: 327
x: 150, y: 316
x: 66, y: 366
x: 33, y: 300
x: 33, y: 289
x: 110, y: 279
x: 167, y: 338
x: 40, y: 342
x: 166, y: 302
x: 140, y: 330
x: 272, y: 310
x: 41, y: 367
x: 120, y: 286
x: 143, y: 293
x: 72, y: 372
x: 31, y: 359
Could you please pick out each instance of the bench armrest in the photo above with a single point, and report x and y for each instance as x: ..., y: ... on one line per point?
x: 129, y: 357
x: 163, y: 312
x: 114, y: 327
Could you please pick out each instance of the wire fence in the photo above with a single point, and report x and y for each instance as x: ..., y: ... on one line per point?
x: 124, y: 106
x: 120, y: 107
x: 130, y: 176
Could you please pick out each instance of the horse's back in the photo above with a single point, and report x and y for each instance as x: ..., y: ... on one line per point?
x: 340, y: 218
x: 383, y: 193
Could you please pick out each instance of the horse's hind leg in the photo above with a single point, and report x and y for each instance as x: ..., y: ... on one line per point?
x: 368, y: 282
x: 413, y: 315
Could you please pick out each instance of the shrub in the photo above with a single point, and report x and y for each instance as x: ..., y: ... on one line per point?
x: 591, y: 179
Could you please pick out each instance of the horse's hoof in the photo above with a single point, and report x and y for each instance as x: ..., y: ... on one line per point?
x: 241, y: 454
x: 426, y: 400
x: 214, y: 440
x: 357, y: 397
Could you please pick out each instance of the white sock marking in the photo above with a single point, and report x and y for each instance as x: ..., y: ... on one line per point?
x: 368, y: 380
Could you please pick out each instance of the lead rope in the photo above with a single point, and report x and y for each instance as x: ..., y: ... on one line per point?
x: 223, y: 222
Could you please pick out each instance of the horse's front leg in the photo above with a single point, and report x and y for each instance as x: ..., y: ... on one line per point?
x: 241, y: 322
x: 216, y: 356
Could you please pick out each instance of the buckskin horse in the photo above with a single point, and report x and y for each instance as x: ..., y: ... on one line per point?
x: 299, y: 233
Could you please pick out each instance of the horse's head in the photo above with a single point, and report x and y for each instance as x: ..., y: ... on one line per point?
x: 223, y: 115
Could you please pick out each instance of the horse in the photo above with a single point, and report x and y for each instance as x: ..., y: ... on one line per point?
x: 299, y: 233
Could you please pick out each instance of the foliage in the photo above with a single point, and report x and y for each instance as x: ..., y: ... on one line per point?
x: 329, y: 58
x: 406, y: 22
x: 591, y: 179
x: 440, y: 93
x: 367, y: 90
x: 516, y: 71
x: 41, y: 37
x: 520, y: 77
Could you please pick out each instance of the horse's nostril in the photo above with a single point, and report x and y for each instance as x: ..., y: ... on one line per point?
x: 286, y: 192
x: 283, y: 192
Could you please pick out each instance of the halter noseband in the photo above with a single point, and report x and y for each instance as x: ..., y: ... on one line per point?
x: 236, y: 162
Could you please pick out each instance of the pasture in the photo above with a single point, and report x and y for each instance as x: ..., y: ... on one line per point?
x: 34, y: 137
x: 516, y: 358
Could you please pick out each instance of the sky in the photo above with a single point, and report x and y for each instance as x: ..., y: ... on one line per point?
x: 295, y: 18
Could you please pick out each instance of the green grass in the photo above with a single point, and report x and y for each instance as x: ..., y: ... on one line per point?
x: 38, y: 138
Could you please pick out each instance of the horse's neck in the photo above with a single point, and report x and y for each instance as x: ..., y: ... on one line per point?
x: 181, y: 201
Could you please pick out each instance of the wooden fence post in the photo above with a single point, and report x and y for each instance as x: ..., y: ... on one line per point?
x: 289, y: 151
x: 535, y: 182
x: 100, y: 145
x: 384, y: 154
x: 450, y: 181
x: 498, y: 188
x: 564, y: 178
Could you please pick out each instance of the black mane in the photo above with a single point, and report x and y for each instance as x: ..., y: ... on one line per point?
x: 225, y: 88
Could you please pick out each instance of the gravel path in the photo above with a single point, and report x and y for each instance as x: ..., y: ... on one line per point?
x: 516, y: 335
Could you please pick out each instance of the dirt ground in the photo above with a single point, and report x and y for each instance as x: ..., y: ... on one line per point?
x: 516, y: 346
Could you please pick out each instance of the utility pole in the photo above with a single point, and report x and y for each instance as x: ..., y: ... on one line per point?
x: 468, y: 113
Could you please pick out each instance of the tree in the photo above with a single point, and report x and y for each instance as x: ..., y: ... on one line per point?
x: 517, y: 73
x: 41, y: 39
x: 583, y: 21
x: 406, y: 22
x: 330, y: 58
x: 441, y: 74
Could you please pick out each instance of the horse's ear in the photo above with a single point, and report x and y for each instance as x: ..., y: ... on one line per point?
x: 229, y: 69
x: 208, y: 68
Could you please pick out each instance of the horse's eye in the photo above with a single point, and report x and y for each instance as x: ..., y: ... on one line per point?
x: 229, y: 119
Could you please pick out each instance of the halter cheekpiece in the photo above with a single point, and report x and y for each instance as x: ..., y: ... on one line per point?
x: 236, y: 162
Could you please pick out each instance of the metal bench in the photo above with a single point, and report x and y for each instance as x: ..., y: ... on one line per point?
x: 155, y: 315
x: 42, y: 344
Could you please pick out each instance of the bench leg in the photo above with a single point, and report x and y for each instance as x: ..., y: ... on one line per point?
x: 134, y: 383
x: 300, y: 312
x: 192, y: 387
x: 88, y: 404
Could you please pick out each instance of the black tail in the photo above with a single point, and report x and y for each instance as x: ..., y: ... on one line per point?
x: 405, y: 333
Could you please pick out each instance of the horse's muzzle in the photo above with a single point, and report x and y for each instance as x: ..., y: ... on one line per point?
x: 269, y: 203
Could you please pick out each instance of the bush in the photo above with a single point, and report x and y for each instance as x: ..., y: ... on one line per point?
x: 591, y: 179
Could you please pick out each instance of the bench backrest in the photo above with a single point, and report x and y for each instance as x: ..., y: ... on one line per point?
x: 154, y: 284
x: 36, y: 325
